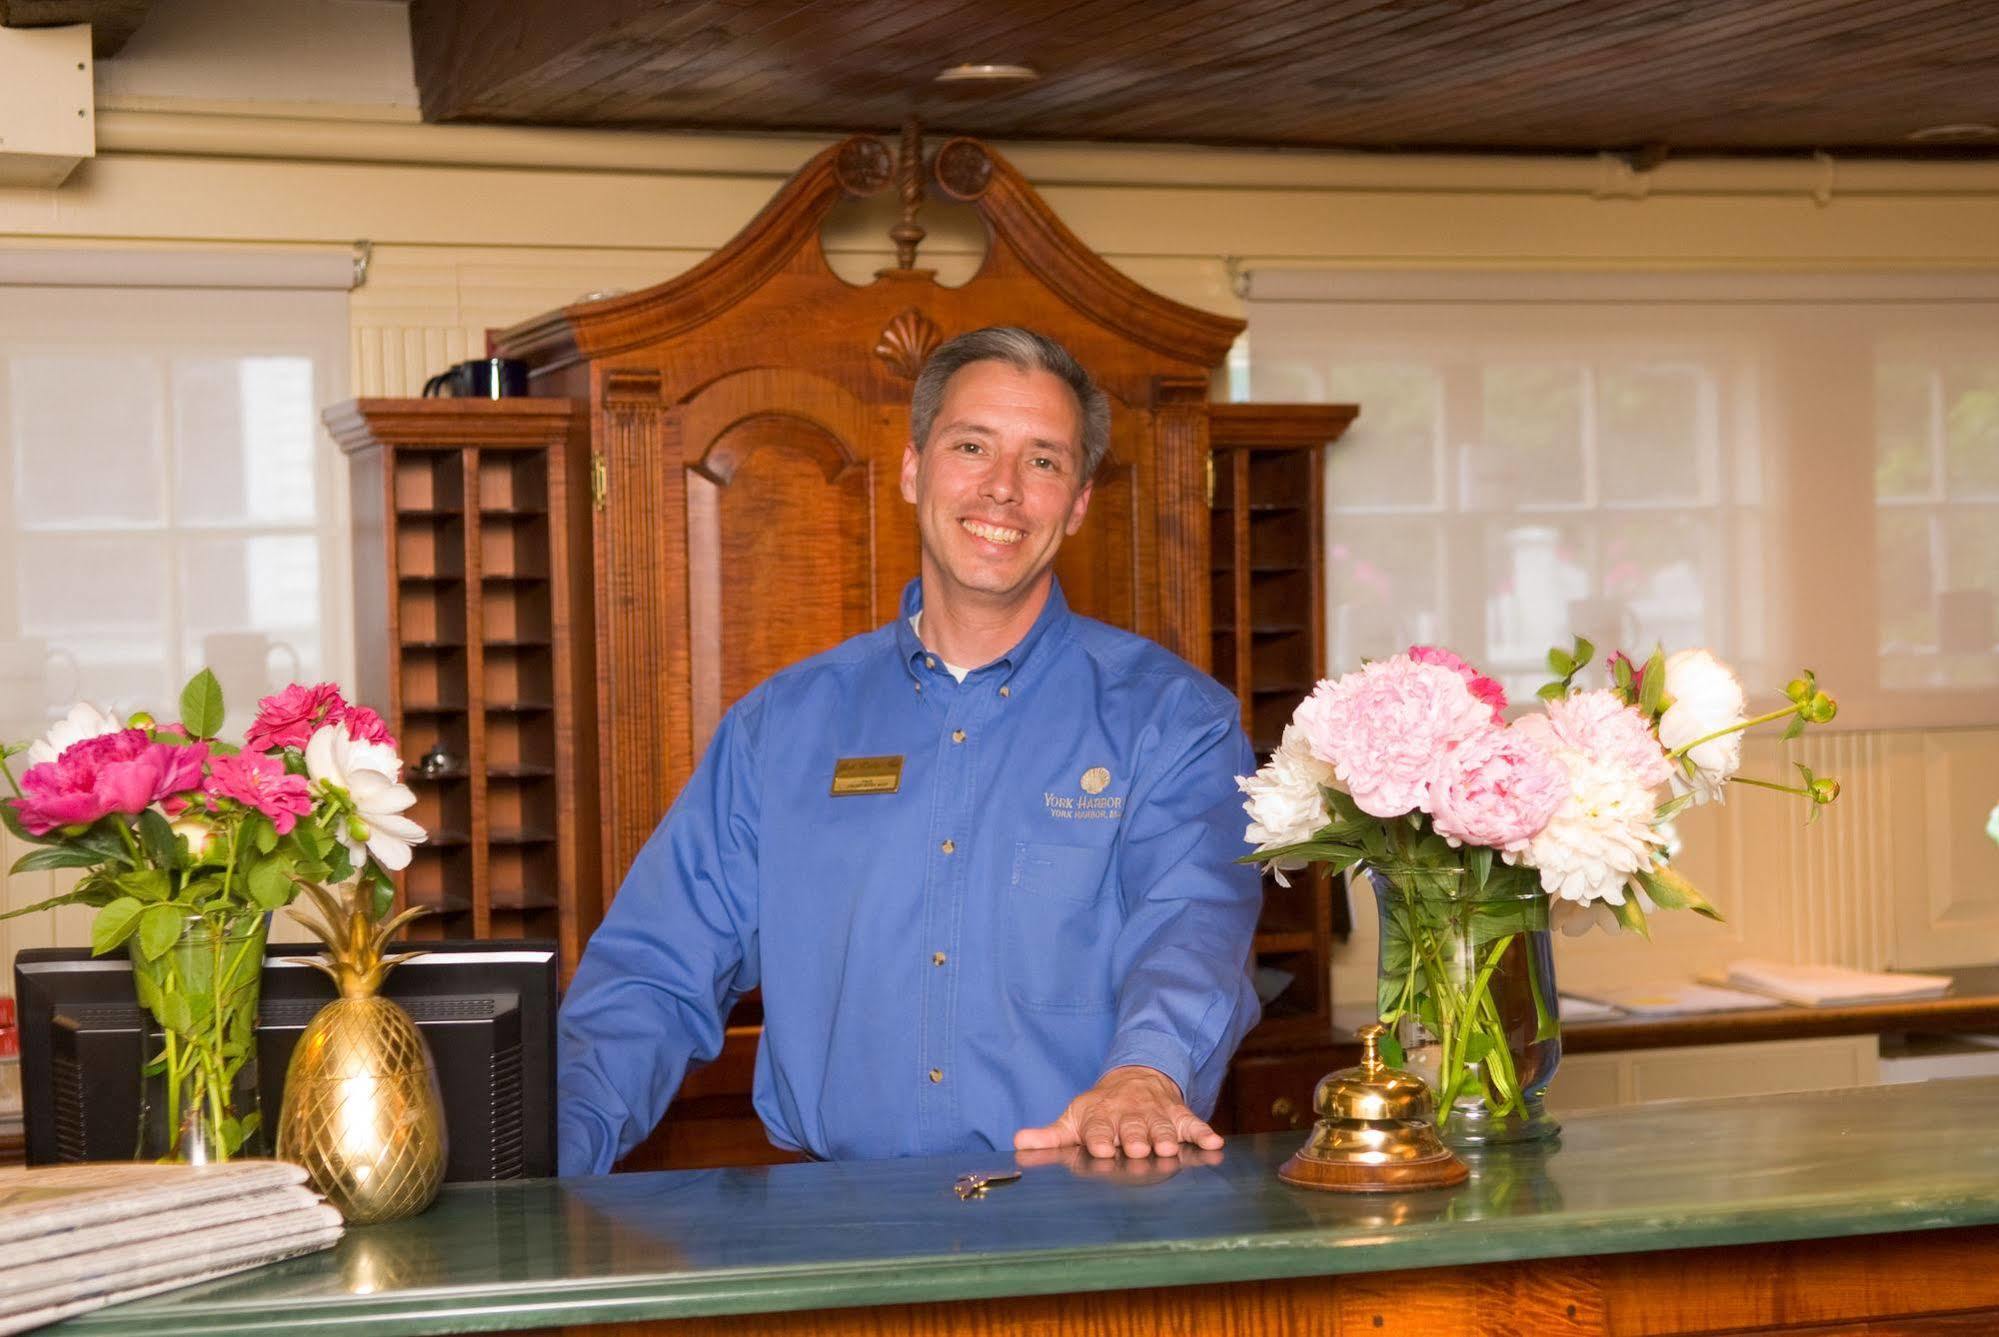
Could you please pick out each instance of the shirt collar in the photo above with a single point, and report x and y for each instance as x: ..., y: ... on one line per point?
x: 1048, y: 631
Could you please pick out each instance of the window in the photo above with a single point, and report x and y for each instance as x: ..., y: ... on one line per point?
x: 1773, y: 467
x: 167, y: 498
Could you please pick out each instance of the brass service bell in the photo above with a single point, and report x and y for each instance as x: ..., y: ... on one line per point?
x: 1377, y: 1132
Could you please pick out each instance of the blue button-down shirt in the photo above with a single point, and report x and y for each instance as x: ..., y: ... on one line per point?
x: 1047, y: 894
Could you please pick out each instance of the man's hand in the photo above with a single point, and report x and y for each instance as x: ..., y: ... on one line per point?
x: 1133, y: 1108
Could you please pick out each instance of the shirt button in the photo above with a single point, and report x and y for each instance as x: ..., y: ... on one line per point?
x: 936, y: 1075
x: 1006, y: 691
x: 930, y: 661
x: 949, y: 847
x: 938, y: 958
x: 957, y: 735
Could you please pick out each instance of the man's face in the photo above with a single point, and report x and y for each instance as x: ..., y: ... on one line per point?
x: 999, y: 484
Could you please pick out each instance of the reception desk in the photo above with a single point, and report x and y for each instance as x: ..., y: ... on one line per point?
x: 1805, y: 1213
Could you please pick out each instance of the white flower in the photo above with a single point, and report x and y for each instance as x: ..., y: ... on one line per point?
x: 1706, y: 697
x: 1285, y: 805
x: 1600, y: 836
x: 83, y: 721
x: 366, y: 773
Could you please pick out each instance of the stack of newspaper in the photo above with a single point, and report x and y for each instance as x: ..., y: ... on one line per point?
x: 77, y: 1237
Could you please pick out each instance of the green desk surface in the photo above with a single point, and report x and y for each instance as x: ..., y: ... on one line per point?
x: 490, y: 1257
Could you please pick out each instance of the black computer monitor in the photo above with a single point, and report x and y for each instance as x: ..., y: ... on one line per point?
x: 487, y: 1010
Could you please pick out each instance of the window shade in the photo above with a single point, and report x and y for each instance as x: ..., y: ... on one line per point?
x: 1795, y: 470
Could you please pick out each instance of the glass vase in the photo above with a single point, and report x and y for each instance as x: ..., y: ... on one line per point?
x: 198, y: 1099
x: 1467, y: 986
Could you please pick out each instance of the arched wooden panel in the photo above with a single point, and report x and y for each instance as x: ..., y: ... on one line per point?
x: 781, y: 483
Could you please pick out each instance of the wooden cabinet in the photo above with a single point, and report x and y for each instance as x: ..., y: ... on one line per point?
x: 1267, y: 610
x: 472, y: 616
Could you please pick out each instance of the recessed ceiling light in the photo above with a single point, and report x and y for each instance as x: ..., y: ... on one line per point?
x: 1931, y: 134
x: 989, y: 74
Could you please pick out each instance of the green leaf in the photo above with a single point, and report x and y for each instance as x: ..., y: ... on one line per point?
x: 113, y: 924
x: 1390, y: 1050
x: 1478, y: 863
x: 1672, y: 807
x: 270, y: 886
x: 1560, y: 664
x: 159, y: 930
x: 1552, y: 691
x: 56, y: 856
x: 157, y: 838
x: 1793, y: 729
x: 1631, y: 916
x: 148, y: 990
x: 145, y: 884
x: 1653, y: 692
x: 1585, y: 651
x: 262, y: 835
x: 201, y: 705
x: 174, y: 1013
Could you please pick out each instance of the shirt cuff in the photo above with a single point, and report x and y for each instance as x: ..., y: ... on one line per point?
x: 1157, y: 1050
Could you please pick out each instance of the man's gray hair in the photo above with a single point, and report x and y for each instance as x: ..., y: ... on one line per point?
x: 1024, y: 350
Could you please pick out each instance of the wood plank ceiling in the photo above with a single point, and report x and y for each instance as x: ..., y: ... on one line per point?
x: 1652, y: 76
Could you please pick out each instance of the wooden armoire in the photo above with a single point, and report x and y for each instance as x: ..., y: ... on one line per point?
x: 745, y: 428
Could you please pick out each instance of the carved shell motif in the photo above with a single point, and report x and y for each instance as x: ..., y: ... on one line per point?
x: 907, y: 341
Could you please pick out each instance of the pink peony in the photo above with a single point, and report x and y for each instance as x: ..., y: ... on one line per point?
x: 1482, y: 687
x: 365, y: 726
x: 1383, y: 728
x: 1496, y: 788
x: 122, y: 772
x: 288, y: 719
x: 261, y: 782
x: 1599, y: 725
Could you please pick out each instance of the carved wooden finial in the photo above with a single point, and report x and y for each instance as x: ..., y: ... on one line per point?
x: 908, y: 233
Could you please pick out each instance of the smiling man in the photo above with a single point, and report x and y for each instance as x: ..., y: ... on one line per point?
x: 979, y: 860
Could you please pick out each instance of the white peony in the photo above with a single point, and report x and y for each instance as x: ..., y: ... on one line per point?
x: 83, y: 721
x: 1600, y: 836
x: 1707, y: 697
x: 1285, y: 805
x: 366, y: 773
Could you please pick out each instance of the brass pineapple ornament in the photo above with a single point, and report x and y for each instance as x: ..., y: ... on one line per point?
x: 361, y: 1110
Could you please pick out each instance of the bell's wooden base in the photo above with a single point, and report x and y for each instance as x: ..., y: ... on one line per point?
x: 1348, y: 1177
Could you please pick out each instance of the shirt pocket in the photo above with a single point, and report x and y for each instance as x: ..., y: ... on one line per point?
x: 1060, y: 928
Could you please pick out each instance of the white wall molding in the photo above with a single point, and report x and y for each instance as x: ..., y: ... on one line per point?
x: 125, y: 267
x: 368, y: 135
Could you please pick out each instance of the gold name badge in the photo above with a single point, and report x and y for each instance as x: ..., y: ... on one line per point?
x: 867, y: 775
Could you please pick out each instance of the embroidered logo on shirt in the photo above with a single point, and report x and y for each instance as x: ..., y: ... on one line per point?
x: 1090, y: 805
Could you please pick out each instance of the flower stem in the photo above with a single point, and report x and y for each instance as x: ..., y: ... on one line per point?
x: 1770, y: 784
x: 1685, y: 748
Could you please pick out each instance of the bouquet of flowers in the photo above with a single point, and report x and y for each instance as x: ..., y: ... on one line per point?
x: 1479, y: 835
x: 189, y: 843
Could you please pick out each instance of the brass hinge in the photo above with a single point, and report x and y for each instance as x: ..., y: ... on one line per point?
x: 600, y: 481
x: 1209, y: 463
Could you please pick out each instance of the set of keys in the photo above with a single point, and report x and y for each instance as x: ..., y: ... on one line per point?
x: 972, y: 1186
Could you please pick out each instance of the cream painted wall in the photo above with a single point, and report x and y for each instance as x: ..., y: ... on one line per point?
x: 472, y: 228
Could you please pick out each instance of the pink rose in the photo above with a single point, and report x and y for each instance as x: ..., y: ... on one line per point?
x: 1598, y: 724
x: 365, y: 726
x: 123, y: 772
x: 288, y: 719
x: 1482, y: 687
x: 1383, y: 728
x: 261, y: 782
x: 1496, y: 788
